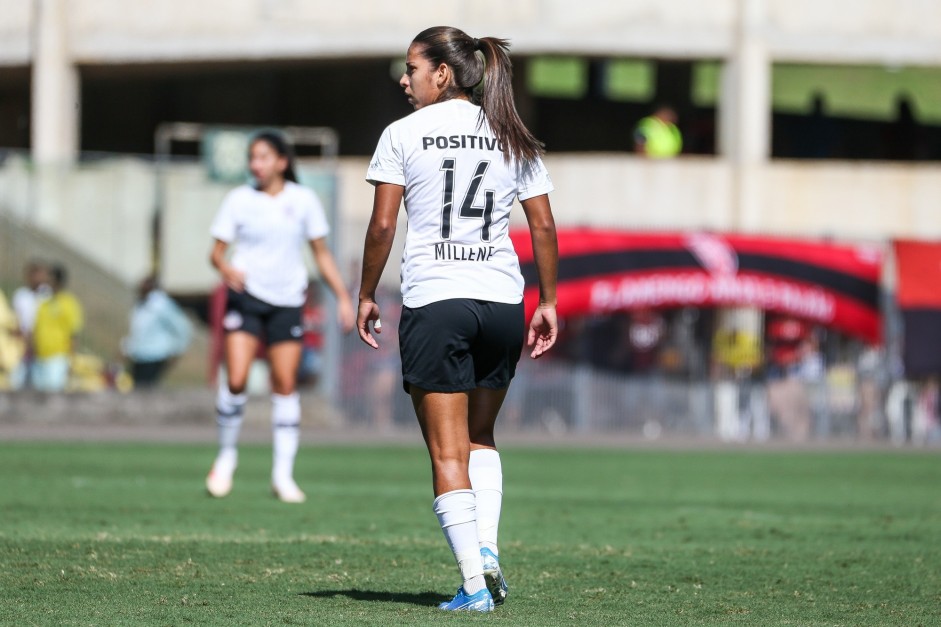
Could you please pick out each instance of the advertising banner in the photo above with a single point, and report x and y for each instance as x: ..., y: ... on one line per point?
x: 600, y: 271
x: 918, y: 265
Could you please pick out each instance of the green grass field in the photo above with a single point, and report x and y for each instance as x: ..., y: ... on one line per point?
x: 111, y: 534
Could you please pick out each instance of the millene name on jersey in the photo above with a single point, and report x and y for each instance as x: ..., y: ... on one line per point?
x: 453, y: 252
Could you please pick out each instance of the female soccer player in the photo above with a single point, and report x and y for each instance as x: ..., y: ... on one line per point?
x: 266, y: 277
x: 459, y: 161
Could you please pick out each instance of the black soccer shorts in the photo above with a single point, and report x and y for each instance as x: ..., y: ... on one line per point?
x: 270, y: 323
x: 461, y: 344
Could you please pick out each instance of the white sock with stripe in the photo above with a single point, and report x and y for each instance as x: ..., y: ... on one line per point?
x: 285, y: 425
x: 230, y: 408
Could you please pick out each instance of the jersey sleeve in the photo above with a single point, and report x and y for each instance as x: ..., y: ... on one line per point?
x: 224, y: 225
x: 387, y: 164
x: 532, y: 179
x: 316, y: 222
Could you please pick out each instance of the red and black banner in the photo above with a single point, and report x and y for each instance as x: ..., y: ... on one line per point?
x: 918, y: 292
x: 604, y: 271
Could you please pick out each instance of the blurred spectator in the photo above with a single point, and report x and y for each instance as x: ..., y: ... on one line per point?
x: 898, y: 410
x: 785, y: 336
x: 812, y: 372
x: 26, y: 301
x: 811, y: 368
x: 11, y: 345
x: 646, y: 332
x: 58, y: 319
x: 872, y: 381
x: 657, y: 136
x: 312, y: 320
x: 159, y: 333
x: 385, y: 369
x: 904, y: 140
x: 379, y: 373
x: 794, y: 366
x: 818, y: 139
x: 614, y: 350
x: 841, y: 399
x: 926, y: 420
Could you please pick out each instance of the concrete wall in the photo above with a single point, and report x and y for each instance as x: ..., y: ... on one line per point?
x: 15, y: 32
x: 856, y: 31
x: 101, y: 209
x: 106, y: 31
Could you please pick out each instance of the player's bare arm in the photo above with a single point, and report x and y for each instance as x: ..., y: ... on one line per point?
x: 376, y: 249
x: 544, y: 327
x: 231, y: 276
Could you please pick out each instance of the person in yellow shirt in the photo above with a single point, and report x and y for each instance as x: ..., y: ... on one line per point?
x: 58, y: 319
x: 657, y: 136
x: 11, y: 345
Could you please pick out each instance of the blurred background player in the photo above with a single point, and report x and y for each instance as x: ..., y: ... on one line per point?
x: 266, y: 277
x: 159, y: 332
x: 462, y: 325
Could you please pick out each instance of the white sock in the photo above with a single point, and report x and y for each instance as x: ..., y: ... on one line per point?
x: 229, y: 411
x: 285, y: 425
x: 486, y: 475
x: 456, y: 515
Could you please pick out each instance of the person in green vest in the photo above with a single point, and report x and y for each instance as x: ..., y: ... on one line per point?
x: 657, y: 136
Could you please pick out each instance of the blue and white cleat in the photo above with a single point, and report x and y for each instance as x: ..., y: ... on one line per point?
x: 480, y: 601
x: 496, y: 584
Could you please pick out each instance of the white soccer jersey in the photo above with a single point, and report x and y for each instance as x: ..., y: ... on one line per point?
x: 25, y: 304
x: 269, y: 233
x: 459, y: 191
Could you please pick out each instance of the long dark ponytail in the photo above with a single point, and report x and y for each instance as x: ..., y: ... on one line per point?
x: 281, y: 146
x: 486, y: 79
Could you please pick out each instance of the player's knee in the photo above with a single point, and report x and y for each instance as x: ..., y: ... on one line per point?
x: 283, y: 389
x: 237, y: 386
x: 482, y: 435
x: 282, y: 385
x: 450, y: 466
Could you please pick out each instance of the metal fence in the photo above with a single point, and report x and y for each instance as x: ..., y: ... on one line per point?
x: 844, y: 392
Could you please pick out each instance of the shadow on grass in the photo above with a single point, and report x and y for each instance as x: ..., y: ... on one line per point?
x: 425, y: 599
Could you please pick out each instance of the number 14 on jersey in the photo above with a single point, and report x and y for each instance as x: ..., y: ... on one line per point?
x: 468, y: 208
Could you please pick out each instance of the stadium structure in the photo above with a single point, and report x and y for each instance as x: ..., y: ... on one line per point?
x: 812, y: 142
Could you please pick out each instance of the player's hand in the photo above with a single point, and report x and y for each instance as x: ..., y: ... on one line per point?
x: 346, y: 317
x: 233, y: 278
x: 368, y: 311
x: 543, y: 330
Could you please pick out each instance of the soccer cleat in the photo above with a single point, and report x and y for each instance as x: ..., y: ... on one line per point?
x: 493, y: 575
x: 480, y: 601
x: 219, y: 482
x: 288, y: 492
